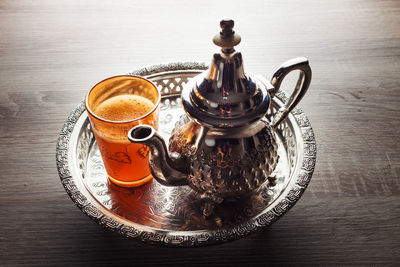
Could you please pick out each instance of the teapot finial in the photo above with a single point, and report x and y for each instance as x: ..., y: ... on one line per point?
x: 227, y: 38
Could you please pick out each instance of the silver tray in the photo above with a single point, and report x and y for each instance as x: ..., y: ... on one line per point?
x: 169, y: 215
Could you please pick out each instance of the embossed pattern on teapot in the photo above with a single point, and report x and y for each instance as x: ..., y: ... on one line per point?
x: 228, y: 166
x: 224, y: 147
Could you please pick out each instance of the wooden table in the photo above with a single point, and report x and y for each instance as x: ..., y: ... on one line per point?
x: 51, y: 53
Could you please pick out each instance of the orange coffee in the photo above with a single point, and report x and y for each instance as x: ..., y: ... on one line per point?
x: 125, y: 162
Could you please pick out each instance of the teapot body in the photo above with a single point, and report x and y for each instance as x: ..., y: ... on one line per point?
x: 225, y: 165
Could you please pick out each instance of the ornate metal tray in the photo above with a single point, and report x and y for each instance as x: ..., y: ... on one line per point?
x: 169, y: 215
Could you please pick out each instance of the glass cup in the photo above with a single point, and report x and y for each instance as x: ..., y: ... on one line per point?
x: 114, y: 106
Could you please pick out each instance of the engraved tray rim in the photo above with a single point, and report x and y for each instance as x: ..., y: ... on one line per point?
x: 106, y: 218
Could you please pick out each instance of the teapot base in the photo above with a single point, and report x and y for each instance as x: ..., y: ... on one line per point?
x: 210, y: 201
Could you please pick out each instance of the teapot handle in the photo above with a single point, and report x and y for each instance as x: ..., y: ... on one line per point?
x: 301, y: 64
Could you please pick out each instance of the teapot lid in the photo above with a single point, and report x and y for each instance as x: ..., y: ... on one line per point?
x: 224, y: 96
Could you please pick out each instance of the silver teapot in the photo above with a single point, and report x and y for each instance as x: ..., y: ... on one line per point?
x: 223, y: 147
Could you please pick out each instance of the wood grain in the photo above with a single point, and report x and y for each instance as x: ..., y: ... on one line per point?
x: 52, y: 52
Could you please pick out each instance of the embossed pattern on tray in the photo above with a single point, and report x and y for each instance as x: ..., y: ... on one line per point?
x: 170, y: 215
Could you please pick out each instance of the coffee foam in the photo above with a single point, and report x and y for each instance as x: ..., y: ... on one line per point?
x: 123, y: 108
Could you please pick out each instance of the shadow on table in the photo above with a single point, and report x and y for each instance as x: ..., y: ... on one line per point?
x: 271, y: 245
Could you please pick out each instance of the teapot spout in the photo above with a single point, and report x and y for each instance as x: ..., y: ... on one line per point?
x: 168, y: 169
